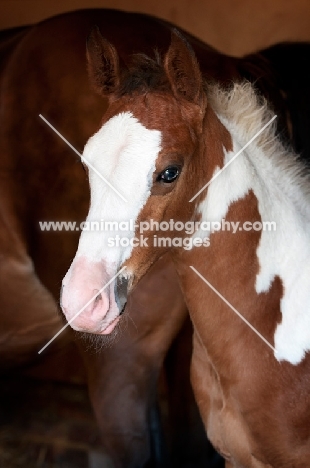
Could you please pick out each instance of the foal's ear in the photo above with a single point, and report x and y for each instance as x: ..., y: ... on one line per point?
x: 103, y: 63
x: 183, y: 70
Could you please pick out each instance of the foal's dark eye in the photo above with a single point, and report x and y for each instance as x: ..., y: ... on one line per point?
x: 168, y: 175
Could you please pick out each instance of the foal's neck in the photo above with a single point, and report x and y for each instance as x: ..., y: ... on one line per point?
x: 264, y: 184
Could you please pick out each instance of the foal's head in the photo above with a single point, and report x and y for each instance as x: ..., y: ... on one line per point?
x: 150, y: 149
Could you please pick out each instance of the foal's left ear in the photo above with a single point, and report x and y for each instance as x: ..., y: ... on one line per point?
x: 183, y: 71
x: 103, y: 63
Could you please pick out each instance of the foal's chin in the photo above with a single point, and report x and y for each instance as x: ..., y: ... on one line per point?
x: 106, y: 329
x: 98, y: 341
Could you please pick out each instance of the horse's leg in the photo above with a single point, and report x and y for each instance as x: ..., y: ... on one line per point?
x: 123, y: 377
x: 190, y: 446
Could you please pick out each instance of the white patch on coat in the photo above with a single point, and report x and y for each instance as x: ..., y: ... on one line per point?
x: 281, y: 185
x: 124, y: 152
x: 228, y: 187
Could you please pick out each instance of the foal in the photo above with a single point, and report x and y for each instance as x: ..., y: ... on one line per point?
x: 165, y: 136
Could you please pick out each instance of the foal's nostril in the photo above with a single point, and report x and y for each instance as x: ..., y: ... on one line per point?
x: 97, y: 299
x: 120, y: 293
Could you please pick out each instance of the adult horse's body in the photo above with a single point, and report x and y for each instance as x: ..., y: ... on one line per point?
x: 43, y: 72
x: 164, y: 136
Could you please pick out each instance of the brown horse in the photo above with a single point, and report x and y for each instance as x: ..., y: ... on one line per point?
x: 203, y: 163
x: 43, y: 71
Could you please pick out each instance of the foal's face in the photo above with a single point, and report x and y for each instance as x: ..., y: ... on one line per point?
x: 145, y: 149
x: 160, y: 168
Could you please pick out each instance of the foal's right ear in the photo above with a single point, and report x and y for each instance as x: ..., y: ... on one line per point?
x: 103, y: 63
x: 183, y: 70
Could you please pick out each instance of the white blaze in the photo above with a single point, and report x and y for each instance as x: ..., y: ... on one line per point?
x: 124, y: 152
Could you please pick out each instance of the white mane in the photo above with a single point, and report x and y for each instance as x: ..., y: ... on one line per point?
x: 244, y: 113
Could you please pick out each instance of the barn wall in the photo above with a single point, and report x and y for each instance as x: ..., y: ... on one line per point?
x: 233, y: 26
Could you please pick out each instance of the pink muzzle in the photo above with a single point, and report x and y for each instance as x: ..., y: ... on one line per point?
x: 88, y: 302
